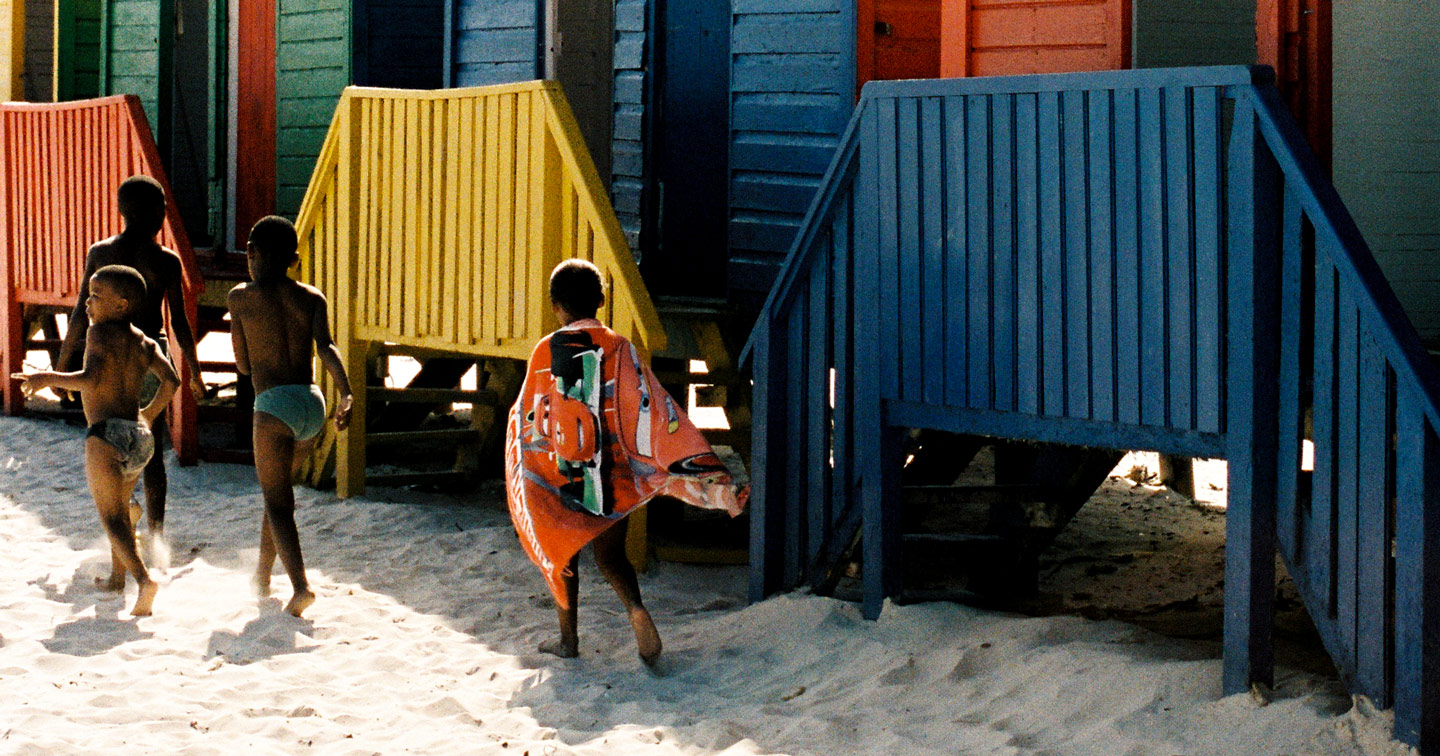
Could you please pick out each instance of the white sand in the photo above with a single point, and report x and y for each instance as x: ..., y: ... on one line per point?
x: 422, y: 642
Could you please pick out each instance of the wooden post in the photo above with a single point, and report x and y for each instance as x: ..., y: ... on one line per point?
x: 1253, y: 377
x: 350, y: 446
x: 1417, y: 577
x: 767, y: 470
x: 11, y: 322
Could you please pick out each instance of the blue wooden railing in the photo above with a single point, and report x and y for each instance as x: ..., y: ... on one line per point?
x: 1096, y: 259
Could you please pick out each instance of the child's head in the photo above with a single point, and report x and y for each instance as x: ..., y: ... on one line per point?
x: 272, y: 248
x: 142, y: 204
x: 576, y: 290
x: 116, y: 291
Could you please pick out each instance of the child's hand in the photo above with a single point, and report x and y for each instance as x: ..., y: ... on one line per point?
x: 342, y: 412
x: 29, y: 384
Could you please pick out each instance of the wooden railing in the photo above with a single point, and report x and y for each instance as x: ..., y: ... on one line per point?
x: 1090, y: 259
x: 433, y: 220
x: 60, y: 165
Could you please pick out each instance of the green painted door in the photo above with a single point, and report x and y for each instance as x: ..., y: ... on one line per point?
x: 77, y: 49
x: 312, y: 65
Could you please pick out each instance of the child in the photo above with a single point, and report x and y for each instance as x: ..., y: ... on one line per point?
x: 592, y: 438
x: 142, y: 206
x: 273, y: 321
x: 119, y: 444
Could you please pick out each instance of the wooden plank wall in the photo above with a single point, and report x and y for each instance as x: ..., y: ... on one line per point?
x: 39, y: 51
x: 12, y: 50
x: 628, y: 168
x: 435, y: 217
x: 312, y: 66
x: 792, y: 82
x: 60, y: 165
x: 77, y: 49
x: 1185, y: 33
x: 135, y: 57
x: 494, y: 42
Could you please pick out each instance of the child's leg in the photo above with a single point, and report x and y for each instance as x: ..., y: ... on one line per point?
x: 157, y: 484
x: 567, y: 646
x: 111, y: 492
x: 615, y: 566
x: 266, y: 564
x: 274, y: 454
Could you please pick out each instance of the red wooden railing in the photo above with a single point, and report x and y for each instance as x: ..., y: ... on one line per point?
x: 60, y: 164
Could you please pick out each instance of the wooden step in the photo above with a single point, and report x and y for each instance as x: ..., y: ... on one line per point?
x: 441, y: 478
x: 449, y: 436
x: 434, y: 396
x: 988, y: 494
x: 43, y: 344
x: 422, y: 353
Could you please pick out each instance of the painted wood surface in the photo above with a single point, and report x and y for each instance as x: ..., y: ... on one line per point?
x: 60, y: 165
x: 12, y: 50
x: 1295, y: 38
x: 312, y: 65
x: 897, y: 39
x: 77, y: 49
x: 1002, y: 37
x: 630, y: 165
x: 434, y: 218
x: 39, y: 75
x: 1130, y: 276
x: 494, y: 42
x: 136, y: 49
x: 255, y: 117
x: 399, y: 43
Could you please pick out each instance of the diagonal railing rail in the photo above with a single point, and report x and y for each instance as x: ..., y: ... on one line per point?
x: 1097, y: 260
x: 434, y: 217
x: 60, y: 165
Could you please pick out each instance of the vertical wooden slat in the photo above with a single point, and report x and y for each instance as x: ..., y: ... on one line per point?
x: 395, y: 110
x: 463, y: 148
x: 512, y: 265
x: 979, y: 131
x: 956, y: 366
x: 1417, y: 578
x: 1288, y: 513
x: 1347, y: 478
x: 1318, y: 538
x: 888, y: 307
x: 494, y: 275
x: 767, y: 507
x: 527, y: 313
x: 1077, y: 256
x: 1372, y: 522
x: 1052, y: 254
x: 1002, y: 261
x: 1209, y: 381
x: 841, y: 349
x: 1180, y: 275
x: 817, y: 420
x: 1029, y: 339
x: 796, y: 395
x: 1153, y: 269
x: 932, y: 248
x: 912, y: 314
x: 1102, y: 257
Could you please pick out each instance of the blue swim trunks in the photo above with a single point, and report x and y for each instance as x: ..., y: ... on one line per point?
x: 300, y: 406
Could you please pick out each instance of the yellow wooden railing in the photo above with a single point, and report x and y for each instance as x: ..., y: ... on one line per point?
x: 433, y: 220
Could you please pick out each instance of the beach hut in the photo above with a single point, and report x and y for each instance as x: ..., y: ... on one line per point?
x: 241, y: 98
x: 647, y: 82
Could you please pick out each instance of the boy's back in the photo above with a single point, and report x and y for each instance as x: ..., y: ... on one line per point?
x: 159, y: 266
x: 279, y: 322
x: 119, y: 356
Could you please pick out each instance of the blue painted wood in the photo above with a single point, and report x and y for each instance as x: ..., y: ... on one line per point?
x: 1052, y: 264
x: 1180, y: 258
x: 932, y: 247
x: 1319, y: 537
x: 1417, y: 575
x: 842, y: 486
x: 1029, y: 337
x: 1289, y: 518
x: 888, y: 313
x: 1076, y: 260
x: 1253, y: 370
x: 1153, y: 305
x: 796, y: 518
x: 767, y: 503
x: 1209, y: 270
x: 979, y: 133
x: 494, y: 42
x: 957, y: 244
x: 1055, y: 430
x: 1347, y: 473
x: 909, y: 261
x: 1127, y: 257
x: 1102, y: 294
x: 1373, y: 525
x: 817, y: 409
x: 1002, y: 259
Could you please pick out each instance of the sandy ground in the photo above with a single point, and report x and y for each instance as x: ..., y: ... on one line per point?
x: 422, y: 642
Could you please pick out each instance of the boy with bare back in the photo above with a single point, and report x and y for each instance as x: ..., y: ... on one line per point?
x: 119, y: 444
x: 142, y: 206
x: 273, y: 322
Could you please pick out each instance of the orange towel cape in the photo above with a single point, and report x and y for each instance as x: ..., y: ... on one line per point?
x: 592, y: 438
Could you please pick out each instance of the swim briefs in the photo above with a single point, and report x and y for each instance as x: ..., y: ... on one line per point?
x: 131, y: 438
x: 300, y: 406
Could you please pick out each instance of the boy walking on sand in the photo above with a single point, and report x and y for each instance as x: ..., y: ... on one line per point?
x: 119, y: 443
x: 592, y: 438
x: 142, y: 205
x: 273, y: 322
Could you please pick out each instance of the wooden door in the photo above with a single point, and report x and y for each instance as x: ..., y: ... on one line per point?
x: 77, y: 49
x: 1000, y: 37
x: 1294, y: 37
x: 898, y: 39
x: 254, y: 116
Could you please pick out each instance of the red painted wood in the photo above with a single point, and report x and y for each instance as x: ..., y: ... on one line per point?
x: 898, y: 39
x: 1000, y: 37
x: 1295, y: 38
x: 60, y: 164
x: 255, y: 116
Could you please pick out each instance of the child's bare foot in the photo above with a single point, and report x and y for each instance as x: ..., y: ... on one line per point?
x: 145, y: 598
x: 114, y: 583
x: 300, y: 602
x: 647, y: 638
x: 560, y: 648
x: 261, y: 583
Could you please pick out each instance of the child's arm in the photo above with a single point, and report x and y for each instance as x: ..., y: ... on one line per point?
x: 237, y: 333
x: 79, y: 380
x: 78, y: 321
x: 330, y: 358
x: 180, y: 322
x: 169, y: 381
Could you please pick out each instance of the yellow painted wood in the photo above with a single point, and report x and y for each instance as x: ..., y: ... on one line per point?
x: 12, y: 50
x: 433, y: 220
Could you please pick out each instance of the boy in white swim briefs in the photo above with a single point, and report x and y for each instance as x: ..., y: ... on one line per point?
x: 119, y: 444
x: 273, y: 323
